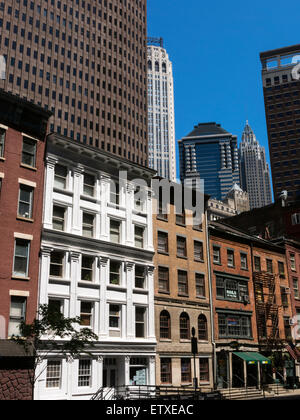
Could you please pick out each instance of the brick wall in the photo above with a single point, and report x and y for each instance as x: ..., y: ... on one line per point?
x: 16, y: 379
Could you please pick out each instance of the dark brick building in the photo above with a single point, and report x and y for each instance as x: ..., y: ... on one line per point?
x: 22, y: 145
x: 282, y: 105
x: 86, y: 62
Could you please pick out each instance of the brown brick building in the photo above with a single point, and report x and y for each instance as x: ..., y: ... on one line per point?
x: 86, y: 62
x: 282, y: 105
x: 182, y: 301
x: 22, y: 145
x: 251, y: 304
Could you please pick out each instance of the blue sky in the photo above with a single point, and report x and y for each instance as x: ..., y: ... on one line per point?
x: 214, y: 47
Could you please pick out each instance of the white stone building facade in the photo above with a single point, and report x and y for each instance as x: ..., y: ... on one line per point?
x: 96, y: 264
x: 161, y: 114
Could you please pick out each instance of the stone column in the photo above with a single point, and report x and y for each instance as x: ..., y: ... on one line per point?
x: 130, y: 319
x: 259, y: 375
x: 230, y: 369
x: 245, y: 373
x: 104, y: 274
x: 99, y: 372
x: 129, y: 203
x: 149, y: 228
x: 69, y: 376
x: 152, y: 371
x: 104, y: 199
x: 74, y: 276
x: 127, y: 370
x: 49, y: 185
x: 151, y: 312
x: 77, y: 190
x: 44, y: 274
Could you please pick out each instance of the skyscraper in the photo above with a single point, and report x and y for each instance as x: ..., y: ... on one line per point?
x: 255, y: 173
x: 86, y: 62
x: 282, y: 104
x: 161, y: 124
x: 211, y: 153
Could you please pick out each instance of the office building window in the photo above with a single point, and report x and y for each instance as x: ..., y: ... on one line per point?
x: 115, y: 231
x: 186, y: 374
x: 183, y: 283
x: 269, y: 266
x: 114, y: 192
x: 140, y: 314
x: 86, y: 309
x: 21, y: 258
x: 184, y: 324
x: 230, y: 257
x: 165, y: 325
x: 17, y: 314
x: 202, y: 328
x: 115, y: 317
x: 58, y: 219
x: 181, y: 246
x: 29, y: 152
x: 281, y: 271
x: 204, y: 369
x: 198, y: 251
x: 140, y: 277
x: 88, y: 221
x: 292, y: 262
x: 244, y: 261
x: 25, y: 204
x: 87, y: 265
x: 57, y: 264
x: 257, y: 263
x: 200, y: 285
x: 163, y: 279
x: 89, y: 185
x: 139, y: 236
x: 60, y: 177
x: 296, y: 287
x: 115, y: 273
x: 217, y: 255
x: 162, y: 238
x: 2, y: 142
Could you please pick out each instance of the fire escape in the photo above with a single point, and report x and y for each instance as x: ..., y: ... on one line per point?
x: 266, y: 307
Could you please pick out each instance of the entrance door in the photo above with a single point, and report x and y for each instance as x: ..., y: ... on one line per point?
x: 110, y: 377
x: 252, y: 375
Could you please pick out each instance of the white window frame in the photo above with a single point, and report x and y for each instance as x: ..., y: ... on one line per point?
x: 27, y: 257
x: 28, y: 187
x: 56, y: 378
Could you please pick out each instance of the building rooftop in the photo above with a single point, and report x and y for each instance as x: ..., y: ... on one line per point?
x: 207, y: 129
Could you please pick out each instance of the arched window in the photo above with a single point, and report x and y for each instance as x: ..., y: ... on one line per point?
x: 164, y: 68
x: 156, y: 66
x: 202, y: 328
x: 184, y: 322
x: 165, y: 325
x: 149, y: 65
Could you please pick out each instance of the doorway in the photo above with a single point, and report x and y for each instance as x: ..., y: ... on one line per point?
x: 110, y: 373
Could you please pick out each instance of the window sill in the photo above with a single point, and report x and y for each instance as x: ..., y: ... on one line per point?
x: 199, y: 261
x: 162, y: 219
x: 185, y: 340
x: 116, y: 287
x: 86, y: 283
x: 164, y: 292
x: 25, y: 219
x: 180, y: 224
x: 63, y: 191
x: 141, y: 291
x: 162, y: 252
x: 183, y: 295
x: 20, y: 278
x: 88, y: 198
x: 201, y: 297
x: 32, y: 168
x: 165, y: 340
x: 217, y: 263
x: 2, y: 159
x: 183, y: 257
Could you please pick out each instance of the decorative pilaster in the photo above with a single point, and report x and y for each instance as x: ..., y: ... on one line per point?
x: 51, y: 161
x: 104, y: 199
x: 45, y: 256
x: 77, y: 190
x: 149, y: 228
x: 129, y: 204
x: 151, y: 318
x: 104, y: 275
x: 100, y: 371
x: 152, y: 371
x: 129, y: 268
x: 127, y: 370
x: 74, y: 276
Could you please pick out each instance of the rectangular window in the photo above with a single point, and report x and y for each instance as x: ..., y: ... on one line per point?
x: 17, y: 315
x: 257, y: 263
x: 53, y: 376
x: 181, y: 246
x: 182, y: 283
x: 198, y: 251
x: 87, y: 264
x: 140, y: 314
x: 296, y: 287
x: 56, y: 264
x: 55, y: 306
x: 166, y: 371
x: 115, y: 273
x: 281, y: 271
x: 58, y: 219
x: 88, y: 225
x: 25, y: 204
x: 269, y: 266
x: 234, y: 326
x: 2, y: 142
x: 244, y: 261
x: 114, y: 317
x: 216, y: 255
x: 115, y: 193
x: 186, y: 370
x: 115, y: 231
x: 139, y: 277
x: 89, y: 185
x: 29, y: 152
x: 163, y: 279
x: 86, y: 309
x: 180, y: 219
x: 293, y: 262
x: 84, y: 373
x: 230, y: 257
x: 162, y: 238
x: 21, y: 258
x: 139, y: 236
x: 200, y: 285
x: 204, y: 369
x: 60, y: 177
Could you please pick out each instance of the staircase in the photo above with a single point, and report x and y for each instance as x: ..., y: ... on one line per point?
x: 276, y: 389
x: 251, y: 393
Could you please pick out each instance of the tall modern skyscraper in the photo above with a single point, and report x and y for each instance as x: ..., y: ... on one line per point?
x: 211, y: 153
x: 255, y: 173
x: 281, y: 88
x: 86, y: 62
x: 161, y: 124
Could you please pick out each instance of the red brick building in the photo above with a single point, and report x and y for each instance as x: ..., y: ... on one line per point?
x: 22, y: 145
x: 251, y: 306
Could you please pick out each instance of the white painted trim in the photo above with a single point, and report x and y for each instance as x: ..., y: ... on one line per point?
x: 4, y: 127
x: 30, y: 137
x: 1, y: 175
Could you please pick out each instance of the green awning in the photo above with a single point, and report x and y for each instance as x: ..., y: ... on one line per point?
x: 252, y: 357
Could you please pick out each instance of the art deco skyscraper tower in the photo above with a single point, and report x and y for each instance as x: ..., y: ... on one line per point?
x: 255, y: 173
x: 161, y: 124
x: 86, y: 62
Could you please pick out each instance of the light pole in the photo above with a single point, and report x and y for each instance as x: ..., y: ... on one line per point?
x: 194, y: 343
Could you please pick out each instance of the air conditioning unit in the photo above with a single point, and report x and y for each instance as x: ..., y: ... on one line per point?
x: 287, y: 290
